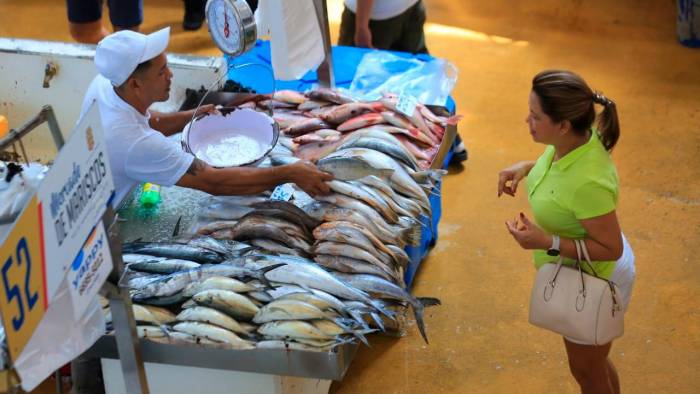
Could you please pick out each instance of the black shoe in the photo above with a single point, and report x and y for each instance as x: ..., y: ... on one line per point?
x: 459, y: 152
x: 194, y: 14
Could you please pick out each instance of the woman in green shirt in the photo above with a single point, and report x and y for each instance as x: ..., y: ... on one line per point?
x: 573, y: 190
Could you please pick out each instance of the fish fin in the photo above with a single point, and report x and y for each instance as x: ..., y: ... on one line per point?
x: 412, y: 235
x: 260, y: 274
x: 453, y: 120
x: 418, y: 313
x: 176, y: 229
x: 359, y: 335
x: 342, y: 341
x: 429, y: 175
x: 429, y: 301
x: 391, y: 315
x: 358, y: 318
x: 378, y: 321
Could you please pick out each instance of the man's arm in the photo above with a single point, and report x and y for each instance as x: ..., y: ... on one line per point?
x: 173, y: 123
x: 363, y: 35
x: 251, y: 180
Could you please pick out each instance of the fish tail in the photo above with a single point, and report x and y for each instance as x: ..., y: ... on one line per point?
x: 357, y: 316
x: 453, y: 120
x: 429, y: 301
x: 378, y: 321
x: 412, y: 235
x: 260, y: 274
x: 391, y: 315
x: 418, y: 313
x: 359, y: 335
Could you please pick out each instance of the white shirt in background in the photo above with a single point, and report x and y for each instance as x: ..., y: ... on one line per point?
x: 384, y: 9
x: 136, y: 152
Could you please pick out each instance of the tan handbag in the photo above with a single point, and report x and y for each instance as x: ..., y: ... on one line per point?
x: 579, y: 306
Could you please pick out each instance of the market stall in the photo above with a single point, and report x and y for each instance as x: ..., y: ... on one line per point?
x: 276, y: 291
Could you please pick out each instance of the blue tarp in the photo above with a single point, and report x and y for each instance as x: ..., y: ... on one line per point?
x: 345, y: 62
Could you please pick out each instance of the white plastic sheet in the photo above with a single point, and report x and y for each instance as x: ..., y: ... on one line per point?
x: 296, y: 43
x: 431, y: 82
x: 58, y: 339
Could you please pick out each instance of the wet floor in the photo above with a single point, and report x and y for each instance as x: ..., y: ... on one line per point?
x: 480, y: 340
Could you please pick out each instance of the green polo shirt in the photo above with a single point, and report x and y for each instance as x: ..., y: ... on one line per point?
x: 581, y: 185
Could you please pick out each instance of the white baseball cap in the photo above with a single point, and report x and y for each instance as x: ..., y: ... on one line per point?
x: 118, y: 54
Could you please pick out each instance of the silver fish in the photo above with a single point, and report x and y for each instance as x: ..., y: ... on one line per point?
x: 347, y: 250
x: 173, y: 250
x: 348, y: 168
x: 217, y: 283
x: 400, y: 180
x: 385, y: 289
x: 407, y: 233
x: 308, y: 274
x: 396, y: 151
x: 292, y: 329
x: 359, y: 193
x: 351, y: 266
x: 211, y: 316
x: 129, y: 258
x: 231, y: 303
x: 330, y: 212
x: 167, y: 266
x: 288, y: 310
x: 214, y: 333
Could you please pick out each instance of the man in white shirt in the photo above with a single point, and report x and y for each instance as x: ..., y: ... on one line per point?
x: 133, y: 75
x: 395, y: 25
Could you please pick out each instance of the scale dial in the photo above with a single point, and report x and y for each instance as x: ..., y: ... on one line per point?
x: 231, y: 25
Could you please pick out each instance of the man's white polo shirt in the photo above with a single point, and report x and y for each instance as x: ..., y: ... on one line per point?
x: 137, y: 153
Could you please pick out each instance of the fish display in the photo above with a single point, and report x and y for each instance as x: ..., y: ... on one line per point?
x: 307, y: 274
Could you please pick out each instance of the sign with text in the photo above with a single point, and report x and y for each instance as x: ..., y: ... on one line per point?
x: 89, y: 270
x: 23, y: 300
x: 73, y: 196
x: 407, y: 104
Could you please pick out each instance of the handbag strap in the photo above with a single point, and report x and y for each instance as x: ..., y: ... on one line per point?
x: 581, y: 244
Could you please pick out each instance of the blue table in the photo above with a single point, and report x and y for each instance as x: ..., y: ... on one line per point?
x: 345, y: 62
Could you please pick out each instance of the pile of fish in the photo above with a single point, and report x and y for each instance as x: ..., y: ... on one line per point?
x: 228, y: 294
x: 307, y: 273
x: 324, y: 120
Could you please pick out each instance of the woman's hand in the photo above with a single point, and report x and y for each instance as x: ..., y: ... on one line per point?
x: 509, y: 178
x: 527, y: 234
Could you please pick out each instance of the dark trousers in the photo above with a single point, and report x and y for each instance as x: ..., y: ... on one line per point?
x: 402, y: 33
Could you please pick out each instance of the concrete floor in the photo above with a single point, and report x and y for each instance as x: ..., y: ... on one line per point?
x: 480, y: 338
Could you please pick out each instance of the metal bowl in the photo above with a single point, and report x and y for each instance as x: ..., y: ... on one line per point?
x: 247, y: 122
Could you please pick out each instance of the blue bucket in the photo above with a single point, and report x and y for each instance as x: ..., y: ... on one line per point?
x: 688, y: 24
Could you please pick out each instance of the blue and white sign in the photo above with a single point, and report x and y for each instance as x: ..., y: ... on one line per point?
x: 89, y: 270
x: 73, y: 196
x: 283, y: 192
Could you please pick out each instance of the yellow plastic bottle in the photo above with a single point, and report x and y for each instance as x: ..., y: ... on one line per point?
x: 4, y: 126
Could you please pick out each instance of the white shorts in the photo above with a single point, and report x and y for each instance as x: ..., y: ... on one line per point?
x: 622, y: 277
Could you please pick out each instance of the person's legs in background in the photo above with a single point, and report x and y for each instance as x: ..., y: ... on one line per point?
x: 85, y: 21
x: 194, y: 14
x: 125, y: 14
x: 85, y: 18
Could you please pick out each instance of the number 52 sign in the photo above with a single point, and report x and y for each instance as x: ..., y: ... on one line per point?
x: 23, y: 298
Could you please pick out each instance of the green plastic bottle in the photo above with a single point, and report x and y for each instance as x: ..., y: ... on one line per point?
x: 150, y: 196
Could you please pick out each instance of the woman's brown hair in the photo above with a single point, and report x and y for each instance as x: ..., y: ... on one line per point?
x: 564, y: 95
